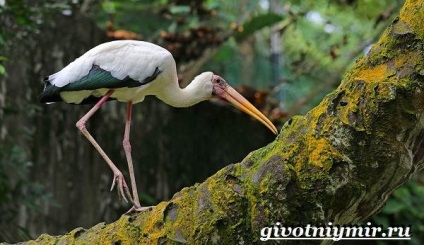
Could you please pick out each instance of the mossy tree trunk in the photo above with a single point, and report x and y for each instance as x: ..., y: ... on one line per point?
x: 337, y: 163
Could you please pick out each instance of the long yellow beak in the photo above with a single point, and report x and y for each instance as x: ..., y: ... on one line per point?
x: 237, y: 100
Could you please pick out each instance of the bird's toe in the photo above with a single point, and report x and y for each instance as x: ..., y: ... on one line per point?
x: 122, y: 187
x: 135, y: 209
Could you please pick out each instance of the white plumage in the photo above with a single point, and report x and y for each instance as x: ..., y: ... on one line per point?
x: 128, y: 71
x: 121, y: 58
x: 135, y: 59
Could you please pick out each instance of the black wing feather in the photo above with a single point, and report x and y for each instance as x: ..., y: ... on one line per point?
x: 97, y: 78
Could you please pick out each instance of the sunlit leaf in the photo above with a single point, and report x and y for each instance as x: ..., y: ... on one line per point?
x: 211, y: 4
x: 2, y: 70
x: 180, y: 9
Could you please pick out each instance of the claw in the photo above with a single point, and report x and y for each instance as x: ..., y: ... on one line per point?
x: 138, y: 209
x: 122, y: 188
x: 121, y: 194
x: 127, y: 192
x: 113, y: 183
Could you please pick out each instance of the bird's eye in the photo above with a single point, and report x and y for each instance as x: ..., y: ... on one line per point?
x: 221, y: 82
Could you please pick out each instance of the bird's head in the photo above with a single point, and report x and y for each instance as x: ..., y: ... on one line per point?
x: 222, y: 90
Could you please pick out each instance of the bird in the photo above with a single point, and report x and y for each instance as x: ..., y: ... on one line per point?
x: 128, y: 71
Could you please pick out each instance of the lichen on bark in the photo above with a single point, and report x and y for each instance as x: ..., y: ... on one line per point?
x: 337, y: 163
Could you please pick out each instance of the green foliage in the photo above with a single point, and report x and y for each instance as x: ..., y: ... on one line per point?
x: 321, y: 40
x: 19, y: 18
x: 257, y: 23
x: 2, y: 68
x: 404, y: 207
x: 149, y: 18
x: 324, y: 40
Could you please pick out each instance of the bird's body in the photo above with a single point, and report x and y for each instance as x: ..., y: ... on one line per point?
x: 128, y: 71
x: 126, y: 66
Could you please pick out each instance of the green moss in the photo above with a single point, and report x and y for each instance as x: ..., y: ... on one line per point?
x: 44, y: 239
x: 412, y: 14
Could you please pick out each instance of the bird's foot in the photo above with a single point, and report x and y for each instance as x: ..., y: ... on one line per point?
x: 138, y: 209
x: 122, y: 187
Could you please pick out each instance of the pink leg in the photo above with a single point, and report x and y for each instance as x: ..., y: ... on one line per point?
x: 118, y: 177
x: 127, y: 148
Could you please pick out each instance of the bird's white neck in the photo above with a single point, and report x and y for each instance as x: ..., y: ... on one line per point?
x: 198, y: 90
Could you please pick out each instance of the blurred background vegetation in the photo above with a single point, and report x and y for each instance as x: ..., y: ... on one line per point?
x: 284, y: 55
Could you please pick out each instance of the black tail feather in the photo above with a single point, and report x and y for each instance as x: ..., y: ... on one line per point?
x: 50, y: 93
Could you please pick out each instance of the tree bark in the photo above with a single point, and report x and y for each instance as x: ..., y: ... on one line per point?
x: 337, y: 163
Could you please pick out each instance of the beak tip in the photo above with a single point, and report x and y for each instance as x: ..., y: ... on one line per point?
x: 237, y: 100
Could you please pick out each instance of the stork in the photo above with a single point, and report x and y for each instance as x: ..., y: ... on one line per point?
x: 127, y: 71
